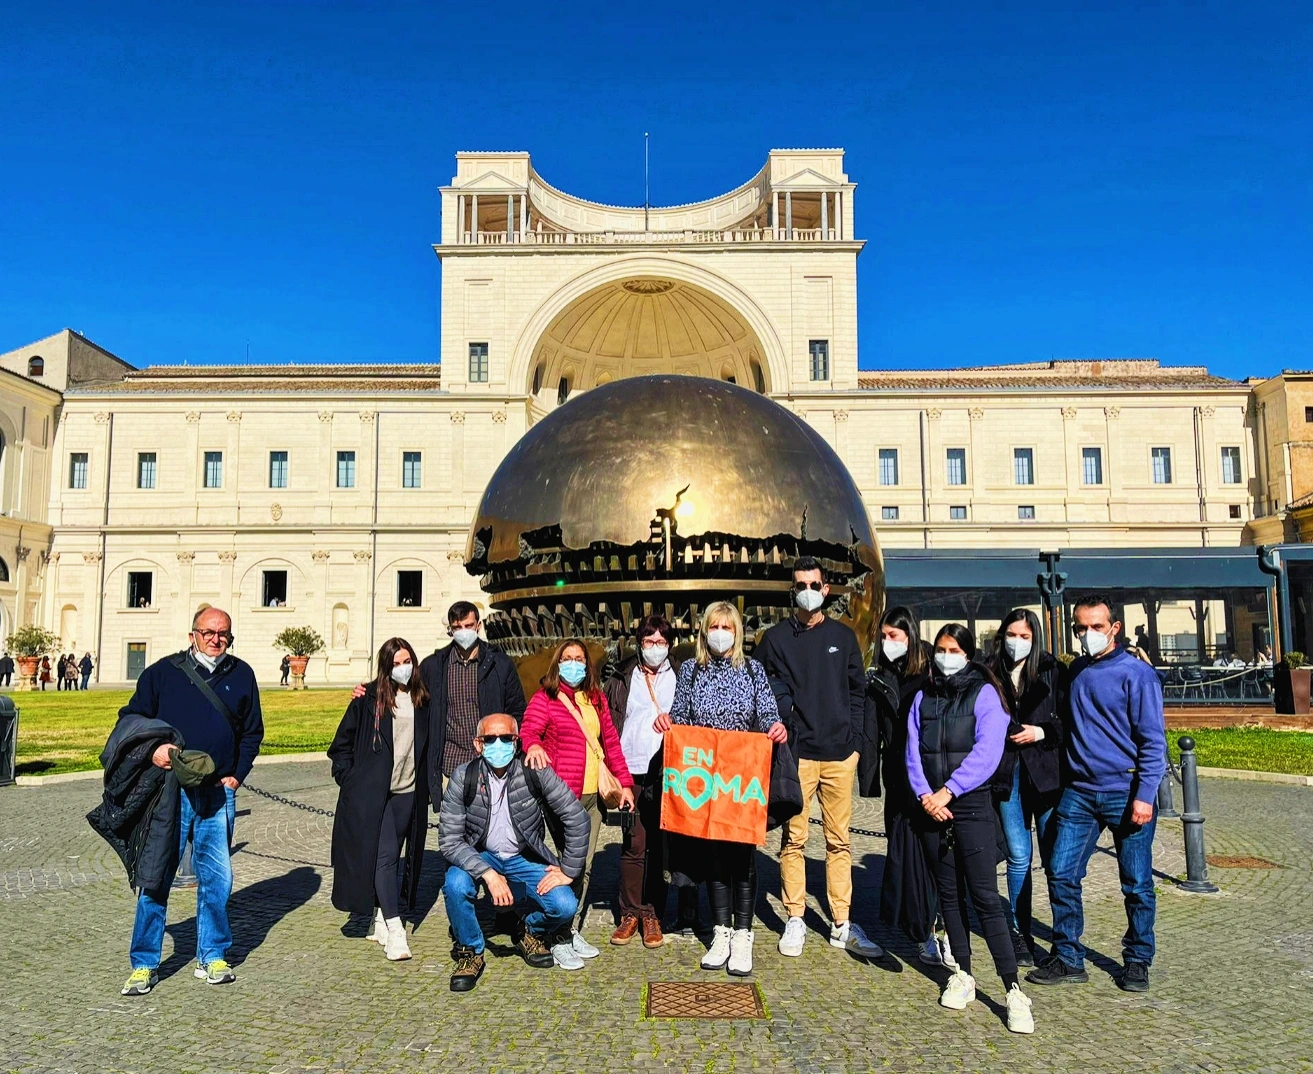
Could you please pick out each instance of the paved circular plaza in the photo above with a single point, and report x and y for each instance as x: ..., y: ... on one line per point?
x: 1232, y: 985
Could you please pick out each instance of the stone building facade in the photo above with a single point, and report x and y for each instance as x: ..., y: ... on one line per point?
x: 340, y: 496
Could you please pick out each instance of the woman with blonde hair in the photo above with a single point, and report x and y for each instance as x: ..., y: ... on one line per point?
x: 723, y: 689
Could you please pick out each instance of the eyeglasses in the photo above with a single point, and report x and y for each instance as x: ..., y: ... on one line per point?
x: 800, y: 586
x: 488, y: 740
x: 211, y: 635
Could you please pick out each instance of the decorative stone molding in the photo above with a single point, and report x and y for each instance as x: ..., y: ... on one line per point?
x: 320, y: 556
x: 23, y: 553
x: 367, y: 416
x: 1069, y: 412
x: 455, y: 557
x: 90, y: 557
x: 53, y: 557
x: 841, y: 415
x: 193, y: 416
x: 276, y: 511
x: 364, y: 555
x: 234, y: 415
x: 185, y: 557
x: 325, y: 416
x: 102, y: 418
x: 458, y: 417
x: 933, y: 413
x: 499, y: 417
x: 976, y: 413
x: 1208, y: 411
x: 227, y: 557
x: 1112, y: 413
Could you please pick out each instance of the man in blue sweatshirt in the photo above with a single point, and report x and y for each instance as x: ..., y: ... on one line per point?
x: 1116, y: 754
x: 231, y: 735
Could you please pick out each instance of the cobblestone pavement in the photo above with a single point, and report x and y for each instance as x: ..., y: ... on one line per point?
x: 1232, y: 987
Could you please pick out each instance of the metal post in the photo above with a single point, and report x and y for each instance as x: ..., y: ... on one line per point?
x: 1192, y: 821
x: 1166, y: 806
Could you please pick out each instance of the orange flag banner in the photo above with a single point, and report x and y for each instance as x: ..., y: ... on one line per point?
x: 716, y: 784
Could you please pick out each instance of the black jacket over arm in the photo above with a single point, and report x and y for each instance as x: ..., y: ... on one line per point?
x: 1040, y: 704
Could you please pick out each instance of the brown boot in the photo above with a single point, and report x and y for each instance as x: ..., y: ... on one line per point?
x: 535, y: 952
x: 469, y: 967
x: 626, y: 931
x: 652, y: 932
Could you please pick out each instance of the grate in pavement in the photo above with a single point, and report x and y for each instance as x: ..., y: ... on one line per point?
x: 1240, y: 861
x: 697, y: 999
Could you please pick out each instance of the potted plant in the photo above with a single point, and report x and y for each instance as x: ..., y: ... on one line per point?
x: 28, y: 645
x: 1290, y: 685
x: 300, y: 643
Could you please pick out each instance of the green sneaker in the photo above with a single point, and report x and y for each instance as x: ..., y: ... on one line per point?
x: 217, y: 972
x: 139, y: 983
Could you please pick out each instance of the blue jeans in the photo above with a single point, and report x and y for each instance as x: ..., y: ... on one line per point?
x: 1015, y: 812
x: 207, y: 817
x: 555, y: 908
x: 1081, y: 817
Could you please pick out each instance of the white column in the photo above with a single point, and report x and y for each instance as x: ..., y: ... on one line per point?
x: 775, y: 212
x: 825, y: 215
x: 788, y: 213
x: 460, y: 217
x: 510, y: 217
x: 474, y: 216
x: 838, y: 214
x: 524, y: 215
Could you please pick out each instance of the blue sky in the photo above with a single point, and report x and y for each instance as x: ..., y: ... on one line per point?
x: 1035, y: 180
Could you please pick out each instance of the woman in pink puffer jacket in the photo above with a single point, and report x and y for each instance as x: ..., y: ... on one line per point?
x: 550, y: 735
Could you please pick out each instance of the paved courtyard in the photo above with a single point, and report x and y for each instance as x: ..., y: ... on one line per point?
x: 1232, y: 987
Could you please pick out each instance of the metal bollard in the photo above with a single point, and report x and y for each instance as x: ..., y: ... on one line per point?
x: 1192, y: 821
x: 1166, y: 806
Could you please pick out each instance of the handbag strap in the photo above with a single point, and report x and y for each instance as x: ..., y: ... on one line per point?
x: 188, y: 669
x: 651, y: 690
x: 578, y: 718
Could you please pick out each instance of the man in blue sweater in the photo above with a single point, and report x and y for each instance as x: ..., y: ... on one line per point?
x: 231, y: 735
x: 1116, y: 754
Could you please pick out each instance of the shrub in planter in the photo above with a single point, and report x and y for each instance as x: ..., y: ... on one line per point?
x: 1291, y: 684
x: 301, y: 643
x: 28, y: 645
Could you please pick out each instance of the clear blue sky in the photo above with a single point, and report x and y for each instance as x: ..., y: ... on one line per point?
x: 1113, y: 179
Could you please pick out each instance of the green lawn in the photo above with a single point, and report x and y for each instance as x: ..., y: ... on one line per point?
x: 1254, y: 749
x: 65, y: 732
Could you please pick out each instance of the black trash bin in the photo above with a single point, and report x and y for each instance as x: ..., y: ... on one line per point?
x: 8, y: 739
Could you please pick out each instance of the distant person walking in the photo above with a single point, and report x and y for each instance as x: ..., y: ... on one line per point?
x: 71, y: 672
x: 285, y: 669
x: 1116, y: 754
x: 6, y: 670
x: 86, y: 666
x: 59, y: 671
x: 45, y: 671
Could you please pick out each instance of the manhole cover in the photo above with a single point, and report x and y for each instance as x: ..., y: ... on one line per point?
x: 1239, y: 861
x: 695, y: 999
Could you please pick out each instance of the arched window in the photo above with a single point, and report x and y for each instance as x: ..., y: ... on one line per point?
x: 4, y: 571
x: 36, y: 366
x: 563, y: 391
x: 537, y: 378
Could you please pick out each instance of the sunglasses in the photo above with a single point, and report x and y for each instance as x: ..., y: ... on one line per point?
x: 488, y: 740
x: 808, y: 585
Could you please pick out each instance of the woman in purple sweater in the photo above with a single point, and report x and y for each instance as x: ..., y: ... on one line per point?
x: 956, y: 733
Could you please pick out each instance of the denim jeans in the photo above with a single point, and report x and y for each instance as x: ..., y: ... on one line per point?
x: 207, y: 817
x: 555, y: 908
x: 1015, y: 812
x: 1081, y: 817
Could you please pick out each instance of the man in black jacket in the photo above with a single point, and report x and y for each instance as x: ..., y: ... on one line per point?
x: 224, y: 720
x: 819, y: 661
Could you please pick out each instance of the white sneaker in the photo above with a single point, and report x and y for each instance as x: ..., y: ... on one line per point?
x: 945, y: 951
x: 929, y: 953
x: 396, y: 948
x: 740, y: 953
x: 582, y: 947
x: 794, y: 936
x: 851, y: 937
x: 961, y: 990
x: 1020, y: 1018
x: 565, y: 956
x: 380, y: 933
x: 718, y: 953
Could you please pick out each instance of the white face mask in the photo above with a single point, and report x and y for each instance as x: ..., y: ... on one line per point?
x: 1018, y: 648
x: 1092, y: 643
x: 893, y: 650
x: 720, y: 640
x: 401, y: 673
x: 209, y: 663
x: 950, y: 663
x: 465, y: 637
x: 808, y: 599
x: 655, y: 656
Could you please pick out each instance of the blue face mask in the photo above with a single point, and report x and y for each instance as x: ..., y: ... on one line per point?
x: 499, y: 754
x: 573, y: 671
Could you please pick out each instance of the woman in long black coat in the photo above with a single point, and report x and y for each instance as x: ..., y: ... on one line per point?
x: 380, y: 762
x: 908, y: 901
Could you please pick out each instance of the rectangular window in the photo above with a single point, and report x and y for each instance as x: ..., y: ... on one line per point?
x: 77, y: 470
x: 957, y: 514
x: 145, y: 469
x: 1091, y: 460
x: 1233, y: 511
x: 1308, y: 413
x: 1230, y: 466
x: 410, y: 589
x: 1023, y: 465
x: 411, y: 470
x: 278, y: 469
x: 214, y: 469
x: 888, y: 466
x: 1162, y: 465
x: 955, y: 466
x: 136, y: 659
x: 1026, y: 514
x: 819, y: 350
x: 889, y: 514
x: 141, y: 586
x: 478, y: 363
x: 273, y: 590
x: 346, y: 469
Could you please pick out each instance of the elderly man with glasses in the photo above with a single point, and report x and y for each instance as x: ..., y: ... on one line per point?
x: 211, y: 699
x: 491, y: 829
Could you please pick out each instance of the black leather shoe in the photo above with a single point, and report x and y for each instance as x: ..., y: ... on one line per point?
x: 535, y: 952
x: 1134, y: 978
x: 1055, y: 972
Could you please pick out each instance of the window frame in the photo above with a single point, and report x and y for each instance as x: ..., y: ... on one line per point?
x: 948, y: 458
x: 345, y: 457
x: 889, y: 514
x: 400, y: 597
x: 1029, y: 456
x: 478, y: 373
x: 286, y: 463
x: 1153, y: 464
x: 963, y: 517
x: 818, y: 358
x: 1022, y: 508
x: 74, y: 458
x: 418, y: 473
x: 128, y: 594
x: 1231, y: 451
x: 265, y: 574
x: 1098, y: 458
x: 208, y: 457
x: 143, y: 458
x: 880, y: 460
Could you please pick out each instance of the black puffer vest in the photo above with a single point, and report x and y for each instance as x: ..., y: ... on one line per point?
x: 948, y: 722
